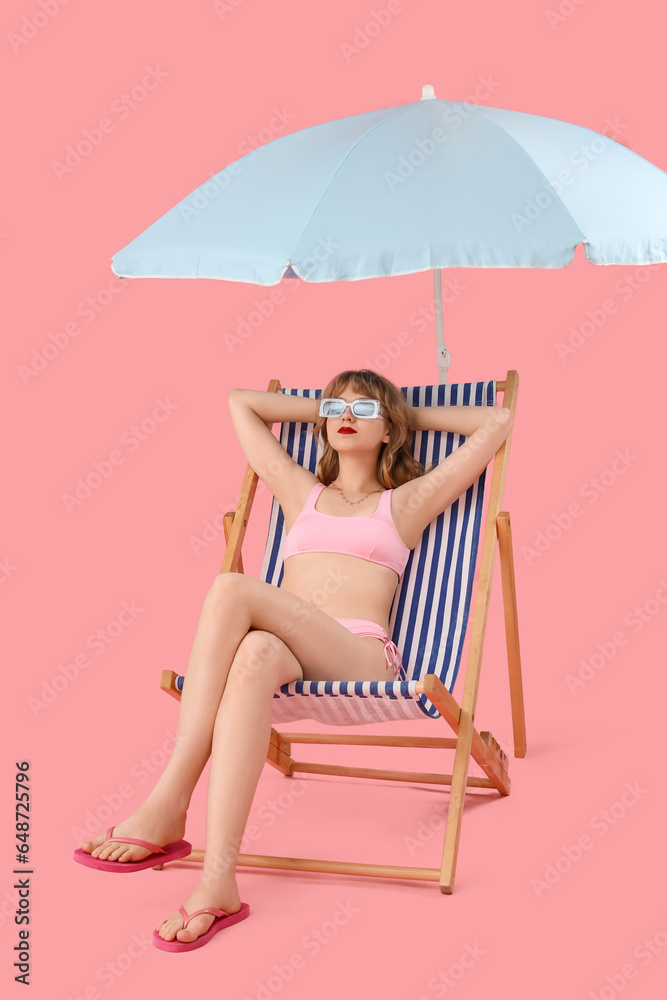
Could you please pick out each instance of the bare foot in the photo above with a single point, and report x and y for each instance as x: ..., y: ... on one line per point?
x: 159, y: 826
x: 220, y: 893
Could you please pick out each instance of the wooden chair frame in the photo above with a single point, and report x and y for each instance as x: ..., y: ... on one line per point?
x: 467, y: 741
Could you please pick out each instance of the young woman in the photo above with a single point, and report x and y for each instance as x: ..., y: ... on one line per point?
x: 350, y: 529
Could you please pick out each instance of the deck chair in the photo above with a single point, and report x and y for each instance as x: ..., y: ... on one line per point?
x: 428, y: 621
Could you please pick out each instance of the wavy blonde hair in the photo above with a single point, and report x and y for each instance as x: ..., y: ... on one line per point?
x: 396, y: 464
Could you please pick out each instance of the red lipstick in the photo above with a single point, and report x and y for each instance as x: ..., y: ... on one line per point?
x: 346, y: 430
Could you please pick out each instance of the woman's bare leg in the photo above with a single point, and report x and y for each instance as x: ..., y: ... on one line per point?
x: 240, y: 745
x: 241, y: 738
x: 234, y: 604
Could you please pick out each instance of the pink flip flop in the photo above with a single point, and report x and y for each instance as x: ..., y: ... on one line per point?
x: 222, y: 920
x: 171, y: 852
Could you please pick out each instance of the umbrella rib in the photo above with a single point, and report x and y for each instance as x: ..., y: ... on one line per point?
x: 539, y: 169
x: 337, y: 171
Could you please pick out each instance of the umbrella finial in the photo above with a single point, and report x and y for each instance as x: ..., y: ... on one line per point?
x: 428, y: 93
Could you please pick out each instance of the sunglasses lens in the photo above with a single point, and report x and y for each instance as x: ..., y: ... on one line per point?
x: 364, y: 408
x: 331, y: 408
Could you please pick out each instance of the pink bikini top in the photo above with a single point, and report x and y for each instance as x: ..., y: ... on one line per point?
x: 372, y: 536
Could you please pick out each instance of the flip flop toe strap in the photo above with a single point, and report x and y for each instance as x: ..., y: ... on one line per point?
x: 207, y: 909
x: 140, y: 843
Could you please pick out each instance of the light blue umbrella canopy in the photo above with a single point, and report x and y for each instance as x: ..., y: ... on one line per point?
x: 421, y: 186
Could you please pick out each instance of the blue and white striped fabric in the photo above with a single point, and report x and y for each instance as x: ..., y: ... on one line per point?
x: 429, y: 613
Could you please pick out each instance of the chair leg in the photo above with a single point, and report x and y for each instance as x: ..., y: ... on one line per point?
x: 456, y: 801
x: 279, y: 754
x: 512, y: 632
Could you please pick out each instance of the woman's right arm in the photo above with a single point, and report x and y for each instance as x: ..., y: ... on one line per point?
x: 253, y: 413
x: 276, y: 407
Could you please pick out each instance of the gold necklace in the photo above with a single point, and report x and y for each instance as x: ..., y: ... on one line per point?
x: 353, y: 502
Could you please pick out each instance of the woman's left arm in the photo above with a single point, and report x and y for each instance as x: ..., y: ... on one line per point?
x: 463, y: 420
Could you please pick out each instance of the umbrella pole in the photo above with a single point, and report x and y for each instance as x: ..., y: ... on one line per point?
x: 444, y: 358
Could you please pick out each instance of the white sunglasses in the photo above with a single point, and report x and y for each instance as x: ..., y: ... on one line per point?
x: 365, y: 409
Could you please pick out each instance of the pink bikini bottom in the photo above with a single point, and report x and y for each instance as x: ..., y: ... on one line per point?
x: 360, y: 626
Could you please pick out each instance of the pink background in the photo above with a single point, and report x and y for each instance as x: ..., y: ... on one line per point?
x: 67, y: 574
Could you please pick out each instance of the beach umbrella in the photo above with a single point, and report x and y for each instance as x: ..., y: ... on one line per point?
x: 423, y: 186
